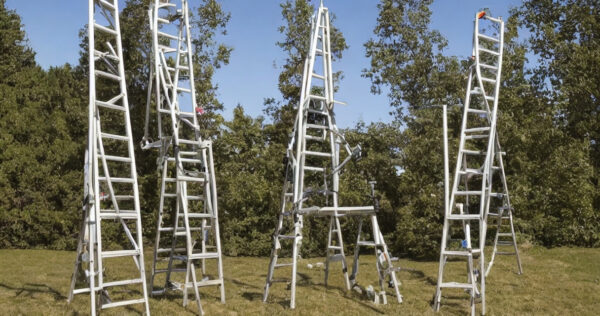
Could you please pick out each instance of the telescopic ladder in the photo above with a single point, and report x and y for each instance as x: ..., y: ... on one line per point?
x: 310, y: 186
x: 111, y: 198
x: 479, y: 158
x: 188, y: 226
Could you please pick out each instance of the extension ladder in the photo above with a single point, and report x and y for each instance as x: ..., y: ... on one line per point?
x: 315, y: 143
x: 187, y: 225
x: 111, y: 197
x: 479, y: 157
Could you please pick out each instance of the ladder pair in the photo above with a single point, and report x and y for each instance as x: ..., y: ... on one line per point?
x: 479, y: 160
x: 313, y: 157
x: 188, y: 210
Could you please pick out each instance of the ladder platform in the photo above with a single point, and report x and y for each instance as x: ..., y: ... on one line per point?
x: 123, y: 303
x: 120, y: 253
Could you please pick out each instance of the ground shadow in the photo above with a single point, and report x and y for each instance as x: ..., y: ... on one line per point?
x: 29, y: 289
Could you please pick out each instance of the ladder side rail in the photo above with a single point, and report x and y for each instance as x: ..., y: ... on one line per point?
x: 213, y: 191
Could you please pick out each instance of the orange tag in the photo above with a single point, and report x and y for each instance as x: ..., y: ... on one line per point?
x: 480, y: 14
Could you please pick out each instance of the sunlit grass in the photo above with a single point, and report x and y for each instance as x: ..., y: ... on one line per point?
x: 556, y: 281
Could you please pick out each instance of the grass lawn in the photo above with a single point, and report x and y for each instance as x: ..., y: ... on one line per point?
x: 561, y: 281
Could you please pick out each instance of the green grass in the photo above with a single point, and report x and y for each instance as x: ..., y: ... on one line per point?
x: 555, y: 281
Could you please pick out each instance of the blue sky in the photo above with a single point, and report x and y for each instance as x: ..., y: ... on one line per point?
x: 252, y: 75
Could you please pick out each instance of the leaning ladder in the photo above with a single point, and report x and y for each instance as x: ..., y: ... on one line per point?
x: 110, y: 185
x: 479, y: 150
x: 306, y: 162
x: 188, y: 227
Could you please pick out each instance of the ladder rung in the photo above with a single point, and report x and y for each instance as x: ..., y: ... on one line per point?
x: 505, y: 243
x: 476, y: 111
x: 163, y: 250
x: 120, y: 253
x: 476, y: 136
x: 172, y: 270
x: 189, y: 142
x: 167, y: 49
x: 115, y: 158
x: 117, y: 180
x: 488, y: 66
x: 164, y: 21
x: 123, y: 214
x: 166, y: 4
x: 186, y: 160
x: 477, y: 129
x: 315, y: 126
x: 173, y: 37
x: 107, y: 75
x: 505, y: 235
x: 460, y: 253
x: 316, y: 169
x: 318, y: 76
x: 195, y: 198
x: 484, y: 79
x: 317, y: 97
x: 105, y: 29
x: 489, y: 98
x: 180, y: 89
x: 123, y: 303
x: 489, y: 51
x: 189, y: 179
x: 469, y: 171
x: 286, y: 237
x: 335, y: 247
x: 310, y: 137
x: 462, y: 193
x: 464, y: 217
x: 107, y: 5
x: 489, y: 38
x: 122, y: 282
x: 318, y: 112
x: 456, y: 285
x: 113, y: 136
x: 487, y: 17
x: 473, y: 152
x: 369, y: 244
x: 316, y: 153
x: 110, y: 105
x: 124, y: 197
x: 497, y: 195
x: 206, y: 255
x: 197, y: 215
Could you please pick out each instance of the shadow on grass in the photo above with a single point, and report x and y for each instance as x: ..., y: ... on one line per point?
x: 31, y: 288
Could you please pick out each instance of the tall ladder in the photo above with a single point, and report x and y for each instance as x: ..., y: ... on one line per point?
x: 111, y: 201
x: 472, y: 191
x: 316, y: 143
x: 188, y: 226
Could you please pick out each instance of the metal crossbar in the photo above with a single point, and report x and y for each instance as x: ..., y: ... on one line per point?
x: 188, y: 227
x: 479, y: 158
x: 110, y: 181
x: 313, y: 167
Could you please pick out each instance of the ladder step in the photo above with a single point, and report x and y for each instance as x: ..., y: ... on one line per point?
x: 485, y: 50
x: 316, y: 169
x: 120, y: 253
x: 469, y: 171
x: 110, y: 106
x: 123, y: 214
x: 107, y: 75
x: 123, y: 303
x: 489, y: 98
x: 369, y: 244
x: 163, y: 21
x: 172, y: 270
x: 489, y: 38
x: 334, y: 248
x: 315, y: 126
x: 105, y: 29
x: 206, y: 255
x: 484, y: 79
x: 497, y: 195
x: 186, y: 160
x: 186, y: 90
x: 117, y: 179
x: 460, y: 253
x: 456, y: 285
x: 505, y: 235
x: 476, y: 136
x: 317, y: 138
x: 167, y: 49
x: 473, y: 152
x: 124, y: 197
x: 190, y: 179
x: 477, y: 129
x: 286, y: 237
x: 165, y: 250
x: 463, y: 193
x: 167, y: 35
x: 464, y: 217
x: 113, y: 136
x: 122, y: 282
x: 488, y: 66
x: 505, y: 243
x: 318, y: 76
x: 106, y: 5
x: 316, y: 153
x: 318, y: 112
x: 115, y: 158
x: 476, y: 111
x: 197, y: 215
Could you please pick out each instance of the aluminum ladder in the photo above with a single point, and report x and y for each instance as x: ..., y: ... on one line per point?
x: 316, y: 142
x: 187, y: 225
x: 472, y: 191
x: 111, y: 197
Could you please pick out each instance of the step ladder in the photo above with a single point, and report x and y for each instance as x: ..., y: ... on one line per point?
x: 187, y: 233
x: 312, y: 170
x: 479, y: 158
x: 111, y: 197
